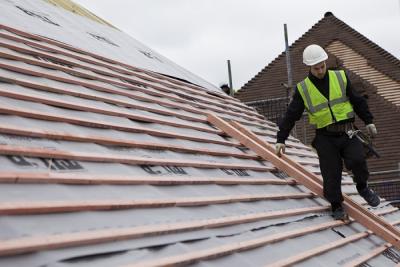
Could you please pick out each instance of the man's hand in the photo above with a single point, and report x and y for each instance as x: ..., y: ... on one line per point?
x: 279, y: 149
x: 371, y: 129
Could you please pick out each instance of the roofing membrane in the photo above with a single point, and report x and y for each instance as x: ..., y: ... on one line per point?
x: 45, y: 19
x: 105, y: 164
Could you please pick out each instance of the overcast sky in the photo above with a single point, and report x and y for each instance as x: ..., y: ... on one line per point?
x: 200, y: 35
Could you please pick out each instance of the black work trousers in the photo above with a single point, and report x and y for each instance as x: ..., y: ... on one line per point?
x: 332, y: 151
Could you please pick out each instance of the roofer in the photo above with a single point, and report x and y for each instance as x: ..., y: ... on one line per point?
x: 333, y: 119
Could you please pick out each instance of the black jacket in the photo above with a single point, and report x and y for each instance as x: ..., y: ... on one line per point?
x: 296, y: 106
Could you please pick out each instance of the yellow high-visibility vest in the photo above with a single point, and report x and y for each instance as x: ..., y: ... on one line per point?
x: 321, y: 111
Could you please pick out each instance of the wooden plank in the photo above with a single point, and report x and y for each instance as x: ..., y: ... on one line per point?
x: 372, y: 254
x: 199, y: 109
x: 260, y: 118
x: 128, y: 70
x: 306, y: 151
x: 122, y: 159
x: 31, y: 113
x: 208, y: 254
x: 104, y: 111
x: 314, y: 183
x: 76, y: 80
x: 199, y: 93
x: 110, y: 141
x: 380, y: 227
x: 290, y: 261
x: 35, y: 243
x: 41, y: 207
x: 223, y: 250
x: 113, y: 100
x: 166, y: 81
x: 257, y: 146
x: 97, y: 179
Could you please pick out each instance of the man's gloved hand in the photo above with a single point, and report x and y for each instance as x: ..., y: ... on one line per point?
x: 371, y: 130
x: 279, y: 149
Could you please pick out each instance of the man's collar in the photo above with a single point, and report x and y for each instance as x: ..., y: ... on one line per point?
x: 316, y: 79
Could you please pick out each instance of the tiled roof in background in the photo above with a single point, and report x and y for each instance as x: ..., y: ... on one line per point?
x: 107, y: 164
x: 328, y: 30
x: 386, y: 86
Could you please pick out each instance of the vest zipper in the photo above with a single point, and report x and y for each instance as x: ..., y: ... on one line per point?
x: 333, y: 117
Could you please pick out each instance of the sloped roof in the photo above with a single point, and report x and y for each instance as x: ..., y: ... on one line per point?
x: 347, y: 48
x: 106, y: 164
x: 78, y: 9
x: 44, y: 19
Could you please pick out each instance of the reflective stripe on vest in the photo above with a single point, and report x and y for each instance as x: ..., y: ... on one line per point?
x: 337, y: 97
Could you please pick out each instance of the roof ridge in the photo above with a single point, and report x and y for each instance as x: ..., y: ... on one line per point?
x: 370, y: 43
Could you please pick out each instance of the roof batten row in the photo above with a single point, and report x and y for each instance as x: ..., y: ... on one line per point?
x: 131, y: 159
x: 104, y: 140
x: 30, y: 113
x: 198, y: 90
x: 34, y: 207
x: 125, y: 159
x: 30, y: 244
x: 238, y: 247
x: 74, y: 178
x: 75, y: 80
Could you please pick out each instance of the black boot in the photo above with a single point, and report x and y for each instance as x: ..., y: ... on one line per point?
x: 370, y: 196
x: 338, y: 212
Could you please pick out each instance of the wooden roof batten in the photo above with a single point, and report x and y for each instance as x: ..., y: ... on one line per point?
x: 36, y: 207
x: 120, y: 73
x: 216, y: 252
x: 87, y: 179
x: 32, y: 243
x: 244, y: 116
x: 41, y: 67
x: 125, y: 159
x: 376, y: 224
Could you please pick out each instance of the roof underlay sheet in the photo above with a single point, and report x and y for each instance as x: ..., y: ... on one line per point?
x: 45, y: 19
x: 107, y: 164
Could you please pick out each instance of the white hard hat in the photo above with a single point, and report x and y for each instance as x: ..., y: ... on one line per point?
x: 314, y: 54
